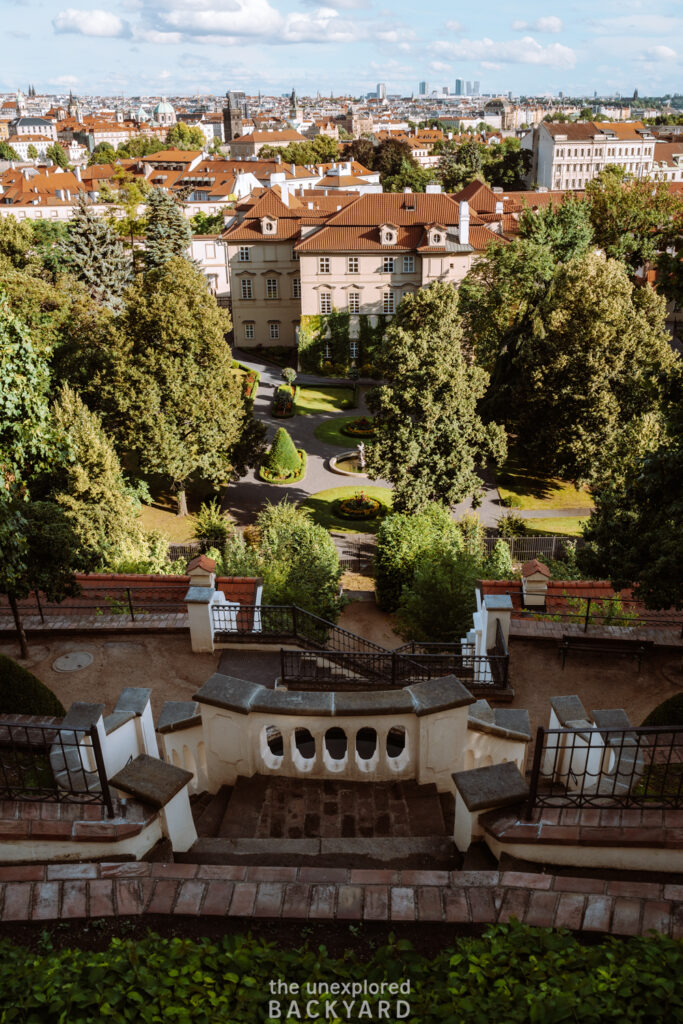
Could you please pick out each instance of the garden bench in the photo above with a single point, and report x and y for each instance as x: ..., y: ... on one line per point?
x: 604, y: 645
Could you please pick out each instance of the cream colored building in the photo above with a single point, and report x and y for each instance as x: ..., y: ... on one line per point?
x: 568, y: 156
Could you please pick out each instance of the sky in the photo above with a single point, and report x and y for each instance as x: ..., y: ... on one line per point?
x: 188, y: 47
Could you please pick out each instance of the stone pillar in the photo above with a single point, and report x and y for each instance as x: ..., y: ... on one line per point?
x: 484, y: 789
x: 198, y: 601
x: 496, y: 608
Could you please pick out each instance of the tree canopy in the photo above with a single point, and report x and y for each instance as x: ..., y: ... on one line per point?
x: 430, y: 438
x: 168, y: 231
x: 93, y: 253
x: 185, y: 136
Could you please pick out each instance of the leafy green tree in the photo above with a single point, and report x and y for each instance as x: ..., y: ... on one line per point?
x: 460, y: 163
x: 498, y: 565
x: 670, y: 267
x: 402, y: 540
x: 168, y: 231
x: 634, y: 533
x: 171, y: 396
x: 89, y: 486
x: 565, y: 228
x: 392, y: 158
x: 594, y: 360
x: 633, y: 219
x: 7, y: 152
x: 430, y: 437
x: 41, y: 555
x: 16, y: 240
x: 211, y: 526
x: 32, y: 152
x: 139, y: 146
x: 94, y: 255
x: 283, y: 458
x: 56, y: 154
x: 439, y: 602
x: 362, y: 151
x: 207, y: 224
x: 409, y: 176
x: 185, y: 136
x: 103, y: 153
x: 506, y: 164
x: 322, y: 149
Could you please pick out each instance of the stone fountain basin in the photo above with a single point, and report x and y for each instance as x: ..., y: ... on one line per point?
x: 335, y: 468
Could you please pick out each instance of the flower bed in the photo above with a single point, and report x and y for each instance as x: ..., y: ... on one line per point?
x: 360, y: 506
x: 251, y: 382
x: 283, y: 401
x: 292, y: 478
x: 361, y: 427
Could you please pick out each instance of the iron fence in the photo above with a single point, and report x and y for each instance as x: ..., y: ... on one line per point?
x: 390, y: 668
x: 605, y: 767
x: 525, y: 548
x: 587, y: 610
x: 53, y: 763
x: 132, y: 602
x: 188, y: 550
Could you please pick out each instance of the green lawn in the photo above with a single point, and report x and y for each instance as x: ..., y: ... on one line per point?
x: 320, y: 506
x: 312, y: 401
x: 330, y: 432
x: 557, y: 526
x: 167, y: 522
x: 535, y: 491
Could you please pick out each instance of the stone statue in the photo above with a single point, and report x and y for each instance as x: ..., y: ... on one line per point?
x: 361, y: 455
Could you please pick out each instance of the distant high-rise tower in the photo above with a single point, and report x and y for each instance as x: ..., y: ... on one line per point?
x: 423, y: 88
x: 468, y: 89
x: 459, y: 87
x: 234, y: 112
x: 381, y: 91
x: 475, y: 88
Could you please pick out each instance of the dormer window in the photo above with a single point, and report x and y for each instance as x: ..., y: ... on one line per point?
x: 436, y: 235
x: 268, y: 225
x: 388, y: 234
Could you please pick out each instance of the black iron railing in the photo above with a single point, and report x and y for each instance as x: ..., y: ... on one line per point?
x: 53, y: 763
x: 390, y: 668
x: 587, y: 610
x: 132, y: 603
x: 598, y: 767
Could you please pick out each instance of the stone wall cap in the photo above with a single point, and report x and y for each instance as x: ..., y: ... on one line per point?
x: 178, y: 714
x: 496, y: 785
x: 482, y: 711
x: 373, y: 702
x: 498, y: 602
x: 116, y: 719
x: 614, y: 718
x: 533, y: 567
x: 439, y: 695
x: 199, y: 595
x: 82, y: 715
x: 151, y: 780
x: 227, y: 692
x: 134, y: 698
x: 568, y: 709
x: 202, y: 562
x: 293, y: 702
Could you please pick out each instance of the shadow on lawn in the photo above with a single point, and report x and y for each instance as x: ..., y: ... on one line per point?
x: 514, y: 477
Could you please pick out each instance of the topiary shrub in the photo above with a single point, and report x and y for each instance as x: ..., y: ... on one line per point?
x: 669, y: 712
x: 283, y: 459
x: 21, y: 693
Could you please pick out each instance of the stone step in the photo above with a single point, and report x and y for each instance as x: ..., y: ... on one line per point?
x: 212, y: 812
x: 243, y: 809
x: 428, y: 852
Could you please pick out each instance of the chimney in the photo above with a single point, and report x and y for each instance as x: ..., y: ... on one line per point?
x: 77, y: 172
x: 407, y: 190
x: 433, y: 187
x: 499, y: 206
x: 292, y: 168
x: 464, y: 223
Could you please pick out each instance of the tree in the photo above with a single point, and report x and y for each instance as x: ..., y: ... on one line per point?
x: 39, y: 551
x: 595, y: 357
x: 207, y: 224
x: 564, y: 228
x: 506, y: 164
x: 140, y: 145
x: 438, y: 603
x: 409, y: 176
x: 321, y: 149
x: 168, y: 231
x: 429, y: 434
x: 171, y: 397
x: 32, y: 152
x: 633, y: 219
x: 7, y: 152
x: 16, y: 240
x: 460, y: 163
x: 401, y: 542
x: 361, y: 150
x: 283, y: 458
x: 94, y: 255
x: 670, y: 267
x: 391, y: 158
x: 103, y: 153
x: 185, y: 136
x: 634, y: 533
x: 56, y: 154
x: 89, y: 486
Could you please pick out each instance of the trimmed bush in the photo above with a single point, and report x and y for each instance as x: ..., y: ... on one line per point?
x: 292, y: 478
x: 360, y: 506
x: 283, y: 459
x: 669, y: 712
x: 361, y: 427
x: 283, y: 400
x: 211, y: 526
x: 21, y: 693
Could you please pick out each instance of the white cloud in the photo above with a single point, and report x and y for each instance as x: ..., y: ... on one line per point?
x: 65, y: 80
x: 454, y: 26
x: 518, y: 51
x: 91, y: 23
x: 657, y: 53
x: 221, y: 17
x: 342, y: 5
x: 549, y: 24
x: 639, y: 25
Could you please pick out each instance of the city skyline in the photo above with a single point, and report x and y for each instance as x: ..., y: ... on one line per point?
x: 342, y: 46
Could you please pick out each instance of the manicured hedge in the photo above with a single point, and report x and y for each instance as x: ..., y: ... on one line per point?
x: 21, y: 693
x: 269, y: 478
x: 511, y: 974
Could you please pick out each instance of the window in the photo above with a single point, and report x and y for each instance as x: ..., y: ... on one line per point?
x: 295, y: 254
x: 325, y: 302
x: 296, y: 287
x: 327, y: 350
x: 271, y: 288
x: 247, y: 291
x: 211, y: 252
x: 388, y: 305
x: 353, y: 349
x: 352, y: 265
x: 274, y: 331
x: 324, y: 265
x: 244, y: 254
x: 388, y: 265
x: 248, y: 332
x: 354, y: 302
x: 408, y: 264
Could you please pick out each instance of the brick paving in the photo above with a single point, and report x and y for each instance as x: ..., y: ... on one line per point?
x: 83, y: 823
x: 44, y: 892
x: 614, y: 826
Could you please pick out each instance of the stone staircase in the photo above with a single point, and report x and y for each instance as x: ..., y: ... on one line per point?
x: 324, y: 822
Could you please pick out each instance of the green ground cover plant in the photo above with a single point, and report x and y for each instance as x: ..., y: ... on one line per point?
x: 521, y: 487
x: 512, y: 973
x: 312, y: 401
x: 322, y: 507
x: 331, y: 432
x: 556, y: 526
